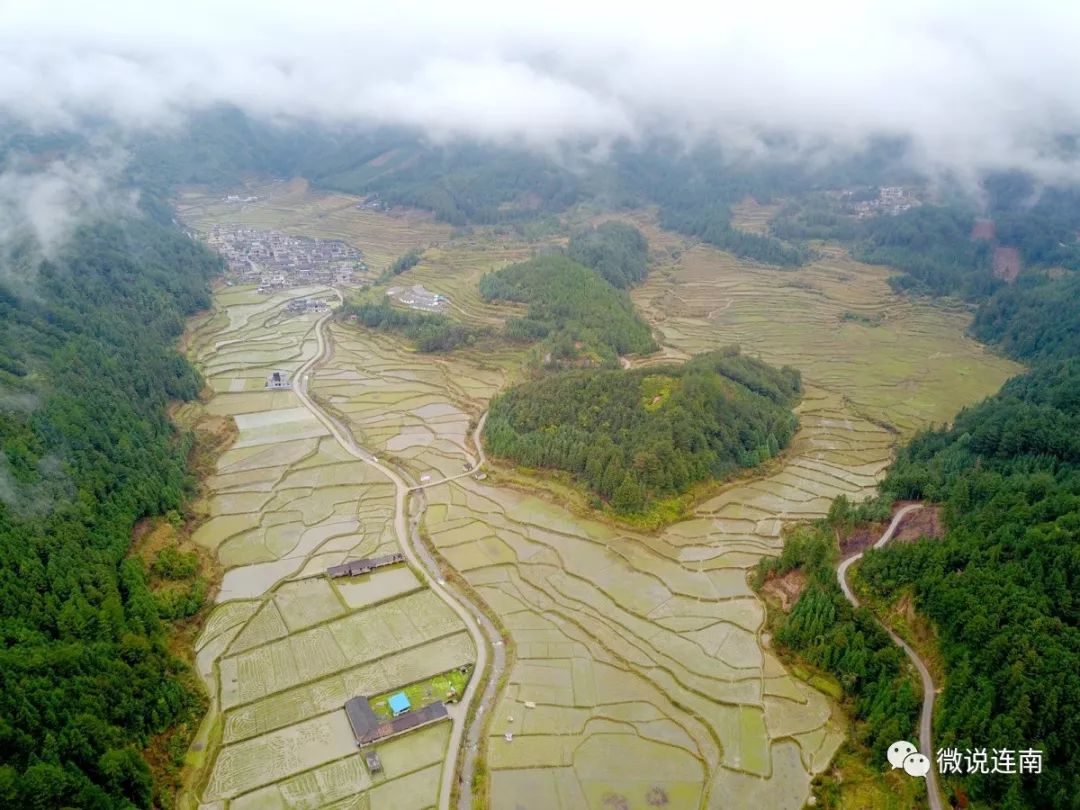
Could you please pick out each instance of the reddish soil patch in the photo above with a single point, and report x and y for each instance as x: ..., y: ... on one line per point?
x: 983, y: 229
x: 1007, y: 263
x: 925, y: 522
x: 787, y: 588
x: 861, y: 539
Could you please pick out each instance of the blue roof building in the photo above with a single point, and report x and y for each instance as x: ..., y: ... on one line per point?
x: 399, y: 704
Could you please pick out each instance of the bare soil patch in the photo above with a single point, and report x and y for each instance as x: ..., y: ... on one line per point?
x: 925, y: 522
x: 1007, y: 263
x: 983, y: 229
x: 860, y: 539
x: 786, y: 589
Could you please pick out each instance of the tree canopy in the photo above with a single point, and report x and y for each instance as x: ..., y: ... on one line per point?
x: 571, y: 309
x: 1001, y: 586
x: 86, y: 449
x: 618, y: 251
x: 430, y: 331
x: 634, y: 436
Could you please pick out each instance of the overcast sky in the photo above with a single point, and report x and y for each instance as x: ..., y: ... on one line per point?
x: 975, y: 84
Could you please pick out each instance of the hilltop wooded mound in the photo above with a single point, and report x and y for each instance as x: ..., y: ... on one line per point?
x: 633, y: 437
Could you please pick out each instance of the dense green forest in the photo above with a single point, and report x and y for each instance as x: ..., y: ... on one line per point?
x: 1038, y: 317
x: 87, y: 449
x: 633, y: 437
x: 430, y: 331
x: 933, y: 247
x: 826, y: 631
x: 618, y: 251
x: 1001, y: 586
x: 575, y: 313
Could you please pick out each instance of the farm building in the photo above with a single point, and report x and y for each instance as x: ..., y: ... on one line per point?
x: 355, y: 568
x: 367, y: 728
x: 399, y: 704
x: 362, y: 719
x: 278, y: 379
x: 374, y: 764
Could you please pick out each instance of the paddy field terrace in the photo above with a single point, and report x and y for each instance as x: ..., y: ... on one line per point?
x: 640, y: 675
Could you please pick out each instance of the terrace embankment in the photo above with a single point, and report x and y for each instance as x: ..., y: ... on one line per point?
x: 286, y: 646
x: 639, y: 676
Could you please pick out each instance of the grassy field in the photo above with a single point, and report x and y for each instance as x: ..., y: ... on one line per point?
x: 639, y: 676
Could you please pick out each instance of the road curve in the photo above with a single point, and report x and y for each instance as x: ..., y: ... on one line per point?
x: 926, y: 716
x: 412, y: 547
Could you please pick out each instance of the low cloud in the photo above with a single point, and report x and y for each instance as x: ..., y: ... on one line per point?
x: 973, y: 85
x: 52, y: 486
x: 41, y: 205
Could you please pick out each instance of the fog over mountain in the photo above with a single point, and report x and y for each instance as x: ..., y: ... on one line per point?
x: 974, y: 85
x: 46, y: 202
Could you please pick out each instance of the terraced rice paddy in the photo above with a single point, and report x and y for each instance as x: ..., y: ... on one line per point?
x: 914, y: 368
x: 286, y: 646
x: 640, y: 676
x: 753, y: 217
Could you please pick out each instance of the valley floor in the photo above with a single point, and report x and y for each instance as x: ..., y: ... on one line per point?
x: 640, y: 677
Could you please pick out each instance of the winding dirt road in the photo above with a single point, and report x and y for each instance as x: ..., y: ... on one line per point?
x: 421, y: 558
x: 926, y: 742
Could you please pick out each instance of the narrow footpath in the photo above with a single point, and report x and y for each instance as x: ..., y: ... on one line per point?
x: 483, y: 632
x: 926, y: 742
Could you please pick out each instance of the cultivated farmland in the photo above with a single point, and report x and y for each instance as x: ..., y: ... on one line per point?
x: 640, y: 678
x: 287, y: 646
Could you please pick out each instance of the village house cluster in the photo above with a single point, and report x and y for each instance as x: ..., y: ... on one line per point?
x: 276, y: 260
x: 890, y: 200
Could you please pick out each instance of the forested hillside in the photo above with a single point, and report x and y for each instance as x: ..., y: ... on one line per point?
x: 1037, y: 318
x: 934, y: 249
x: 618, y: 251
x: 633, y: 437
x: 574, y: 312
x: 826, y: 631
x: 89, y: 366
x: 461, y: 182
x: 465, y: 184
x: 1002, y: 586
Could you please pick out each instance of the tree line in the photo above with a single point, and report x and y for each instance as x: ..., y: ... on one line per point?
x: 86, y: 449
x: 406, y: 261
x: 429, y: 331
x: 1001, y: 586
